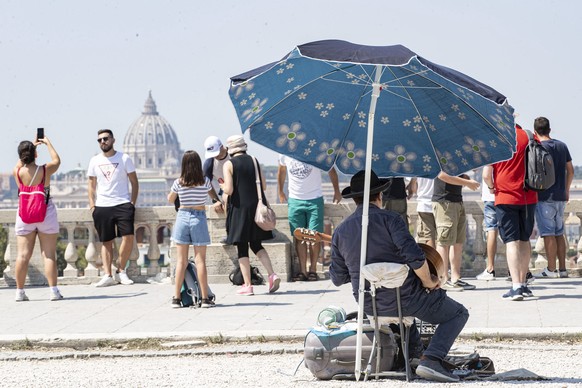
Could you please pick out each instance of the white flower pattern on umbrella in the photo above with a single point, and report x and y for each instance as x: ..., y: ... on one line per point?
x: 447, y: 163
x: 400, y: 159
x: 350, y: 156
x: 329, y: 150
x: 290, y: 136
x: 243, y: 88
x: 477, y: 149
x: 255, y: 109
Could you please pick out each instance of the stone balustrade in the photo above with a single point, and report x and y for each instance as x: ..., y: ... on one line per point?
x: 153, y: 226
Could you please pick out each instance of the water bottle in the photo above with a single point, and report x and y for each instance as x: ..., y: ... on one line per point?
x: 331, y: 317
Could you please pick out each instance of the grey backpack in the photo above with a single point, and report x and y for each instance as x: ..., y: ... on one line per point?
x: 539, y: 166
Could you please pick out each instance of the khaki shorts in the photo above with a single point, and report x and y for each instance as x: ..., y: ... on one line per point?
x: 425, y: 227
x: 450, y: 222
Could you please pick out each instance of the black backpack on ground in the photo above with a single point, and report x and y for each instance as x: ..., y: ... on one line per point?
x: 539, y: 166
x: 236, y: 277
x: 191, y: 293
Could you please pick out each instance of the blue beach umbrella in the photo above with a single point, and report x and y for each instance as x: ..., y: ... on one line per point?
x: 384, y: 108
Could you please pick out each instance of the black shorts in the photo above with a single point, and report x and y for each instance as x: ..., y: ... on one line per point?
x: 114, y: 221
x: 515, y: 222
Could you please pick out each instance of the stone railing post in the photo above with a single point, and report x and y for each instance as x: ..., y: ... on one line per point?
x: 133, y: 270
x: 479, y: 245
x: 71, y: 254
x: 579, y: 246
x: 92, y: 252
x: 541, y: 261
x: 153, y: 250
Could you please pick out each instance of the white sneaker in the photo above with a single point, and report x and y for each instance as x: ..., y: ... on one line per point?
x: 486, y: 275
x: 563, y: 273
x: 21, y: 297
x: 106, y: 281
x: 56, y: 295
x: 546, y: 274
x: 123, y: 278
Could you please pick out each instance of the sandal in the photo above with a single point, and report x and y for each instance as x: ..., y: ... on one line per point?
x: 300, y: 277
x: 312, y: 276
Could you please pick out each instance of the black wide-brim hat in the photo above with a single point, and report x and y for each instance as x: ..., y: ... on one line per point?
x: 356, y: 187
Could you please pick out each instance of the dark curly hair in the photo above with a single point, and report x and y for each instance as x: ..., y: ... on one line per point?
x: 26, y: 151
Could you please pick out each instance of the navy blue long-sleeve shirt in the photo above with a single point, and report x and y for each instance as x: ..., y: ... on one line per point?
x: 388, y: 241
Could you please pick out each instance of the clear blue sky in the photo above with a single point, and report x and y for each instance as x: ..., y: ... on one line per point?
x: 74, y: 66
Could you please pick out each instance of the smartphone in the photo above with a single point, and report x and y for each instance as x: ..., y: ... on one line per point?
x: 40, y: 133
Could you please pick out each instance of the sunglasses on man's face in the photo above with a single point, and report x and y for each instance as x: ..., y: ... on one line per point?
x: 103, y: 139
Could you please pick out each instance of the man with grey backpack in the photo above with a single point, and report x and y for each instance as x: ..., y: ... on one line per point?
x: 551, y: 202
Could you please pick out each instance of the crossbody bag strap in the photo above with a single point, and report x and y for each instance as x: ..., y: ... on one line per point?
x: 258, y: 178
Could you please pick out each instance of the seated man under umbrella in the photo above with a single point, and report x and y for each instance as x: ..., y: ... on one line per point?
x: 390, y: 241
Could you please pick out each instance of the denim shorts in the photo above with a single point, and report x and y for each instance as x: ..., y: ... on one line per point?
x: 550, y: 218
x: 191, y: 228
x: 490, y: 216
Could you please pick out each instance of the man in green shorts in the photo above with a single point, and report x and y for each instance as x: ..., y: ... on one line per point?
x: 305, y: 206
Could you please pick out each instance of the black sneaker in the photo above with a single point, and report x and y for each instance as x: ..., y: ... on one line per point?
x: 435, y: 371
x: 526, y: 292
x: 207, y: 303
x: 513, y: 294
x: 529, y: 278
x: 465, y: 285
x: 176, y: 303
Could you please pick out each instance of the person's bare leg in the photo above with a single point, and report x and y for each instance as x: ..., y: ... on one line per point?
x: 513, y: 263
x: 524, y: 258
x: 314, y: 251
x: 181, y: 262
x: 456, y: 257
x: 491, y: 249
x: 125, y: 250
x: 200, y: 259
x: 48, y: 248
x: 107, y: 256
x: 561, y: 251
x: 25, y: 246
x: 443, y: 250
x: 551, y: 248
x: 301, y: 249
x: 245, y: 269
x: 265, y: 260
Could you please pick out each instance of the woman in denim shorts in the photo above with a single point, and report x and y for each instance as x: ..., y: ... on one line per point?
x: 191, y: 227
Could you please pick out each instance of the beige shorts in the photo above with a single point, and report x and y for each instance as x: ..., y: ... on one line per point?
x: 426, y: 227
x: 450, y: 222
x: 50, y: 225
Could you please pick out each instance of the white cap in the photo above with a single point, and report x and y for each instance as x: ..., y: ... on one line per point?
x: 212, y: 145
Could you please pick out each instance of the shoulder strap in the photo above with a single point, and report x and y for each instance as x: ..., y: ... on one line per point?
x: 529, y: 135
x: 34, y: 176
x: 258, y: 178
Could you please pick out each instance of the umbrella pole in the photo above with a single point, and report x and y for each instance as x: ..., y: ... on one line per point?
x: 365, y: 211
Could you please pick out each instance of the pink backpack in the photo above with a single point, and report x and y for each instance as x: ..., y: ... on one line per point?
x: 32, y: 200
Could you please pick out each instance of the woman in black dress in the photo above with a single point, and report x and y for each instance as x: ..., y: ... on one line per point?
x: 240, y: 186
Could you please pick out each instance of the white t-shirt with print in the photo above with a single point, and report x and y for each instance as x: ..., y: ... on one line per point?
x: 112, y: 181
x: 304, y: 180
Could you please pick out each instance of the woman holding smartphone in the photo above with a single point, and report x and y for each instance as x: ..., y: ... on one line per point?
x: 31, y: 174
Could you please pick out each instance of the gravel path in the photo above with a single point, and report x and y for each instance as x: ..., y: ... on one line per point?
x: 255, y: 365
